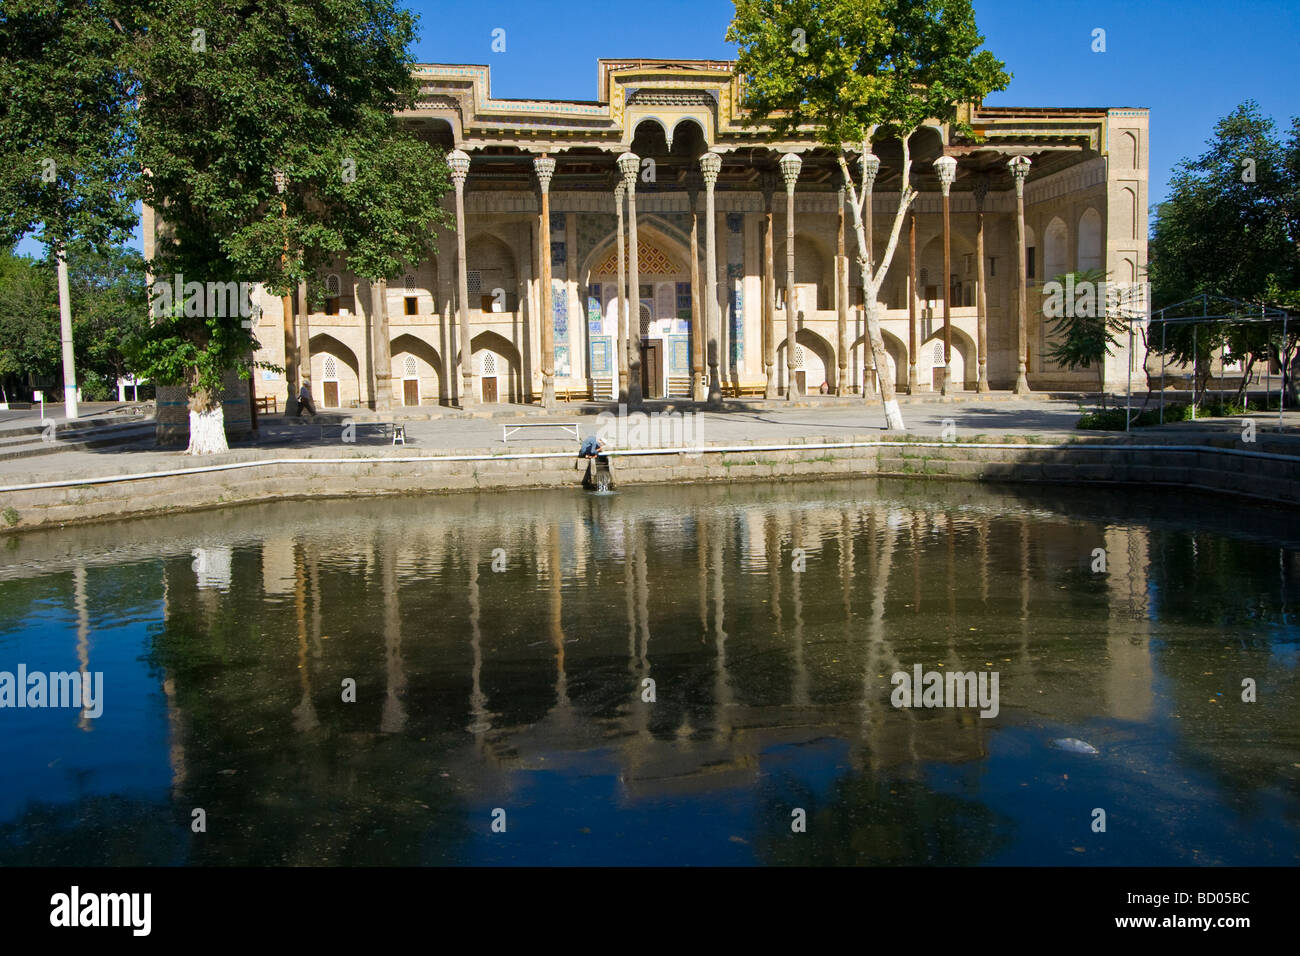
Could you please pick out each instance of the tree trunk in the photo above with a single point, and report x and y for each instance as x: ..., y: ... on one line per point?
x: 1245, y: 378
x: 870, y: 288
x: 207, y: 425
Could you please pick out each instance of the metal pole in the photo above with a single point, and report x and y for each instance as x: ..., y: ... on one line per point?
x: 1281, y: 390
x: 1128, y: 391
x: 1196, y: 368
x: 1162, y: 371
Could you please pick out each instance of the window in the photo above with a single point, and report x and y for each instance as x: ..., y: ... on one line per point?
x: 474, y: 281
x: 333, y: 290
x: 798, y: 357
x: 1029, y: 262
x: 938, y: 353
x: 331, y: 369
x: 412, y: 305
x: 489, y: 365
x: 408, y: 367
x: 993, y: 266
x: 410, y: 283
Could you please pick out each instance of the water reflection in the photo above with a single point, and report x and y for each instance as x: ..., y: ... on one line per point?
x: 502, y: 647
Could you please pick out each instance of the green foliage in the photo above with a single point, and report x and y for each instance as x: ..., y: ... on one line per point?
x: 307, y: 89
x: 1220, y: 234
x: 29, y: 323
x: 1112, y: 419
x: 1084, y: 340
x: 67, y: 164
x: 852, y: 67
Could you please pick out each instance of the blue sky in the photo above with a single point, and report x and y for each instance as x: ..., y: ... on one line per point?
x: 1189, y: 61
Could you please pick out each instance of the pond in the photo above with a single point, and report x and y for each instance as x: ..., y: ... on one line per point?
x: 710, y: 674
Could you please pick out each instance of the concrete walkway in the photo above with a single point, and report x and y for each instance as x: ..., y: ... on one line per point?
x: 996, y: 418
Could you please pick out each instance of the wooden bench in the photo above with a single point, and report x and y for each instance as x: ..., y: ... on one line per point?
x: 508, y: 430
x: 733, y: 390
x: 268, y: 404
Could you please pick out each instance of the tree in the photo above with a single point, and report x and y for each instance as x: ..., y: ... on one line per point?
x: 232, y: 95
x: 1084, y: 323
x: 66, y: 136
x: 110, y: 301
x: 1231, y: 228
x: 854, y: 71
x: 29, y: 346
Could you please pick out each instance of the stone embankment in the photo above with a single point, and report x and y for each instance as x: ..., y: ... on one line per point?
x: 1267, y: 470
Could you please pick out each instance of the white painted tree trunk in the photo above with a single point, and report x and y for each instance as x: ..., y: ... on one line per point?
x: 871, y: 283
x: 207, y: 431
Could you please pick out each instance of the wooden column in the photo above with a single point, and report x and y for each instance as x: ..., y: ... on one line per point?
x: 946, y: 167
x: 841, y: 301
x: 981, y: 295
x: 458, y: 160
x: 1019, y: 171
x: 769, y: 288
x: 699, y: 387
x: 620, y: 350
x: 304, y: 335
x: 911, y: 302
x: 790, y: 164
x: 710, y: 164
x: 629, y: 165
x: 544, y: 166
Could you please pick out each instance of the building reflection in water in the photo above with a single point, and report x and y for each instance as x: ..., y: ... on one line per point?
x: 469, y: 680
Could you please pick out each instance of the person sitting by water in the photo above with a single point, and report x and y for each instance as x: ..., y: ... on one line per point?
x: 591, y: 447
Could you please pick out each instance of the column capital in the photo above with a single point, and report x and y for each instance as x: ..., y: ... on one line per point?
x: 945, y: 167
x: 869, y: 163
x: 458, y: 161
x: 790, y: 165
x: 544, y: 166
x: 710, y: 166
x: 629, y: 164
x: 1019, y: 166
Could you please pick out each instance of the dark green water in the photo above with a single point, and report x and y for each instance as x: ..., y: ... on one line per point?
x: 225, y: 640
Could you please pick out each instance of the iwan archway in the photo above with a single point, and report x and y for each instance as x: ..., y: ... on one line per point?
x: 660, y: 327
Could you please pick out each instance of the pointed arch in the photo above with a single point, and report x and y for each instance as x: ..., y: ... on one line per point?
x: 408, y: 350
x: 498, y: 355
x: 344, y: 385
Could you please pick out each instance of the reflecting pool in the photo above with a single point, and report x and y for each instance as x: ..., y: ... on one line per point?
x: 662, y: 675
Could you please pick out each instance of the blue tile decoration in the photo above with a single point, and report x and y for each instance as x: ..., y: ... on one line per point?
x: 560, y: 312
x: 602, y: 351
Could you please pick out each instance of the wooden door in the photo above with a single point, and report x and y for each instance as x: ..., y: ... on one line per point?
x: 652, y: 368
x: 331, y: 394
x: 490, y: 389
x: 410, y: 391
x: 801, y: 382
